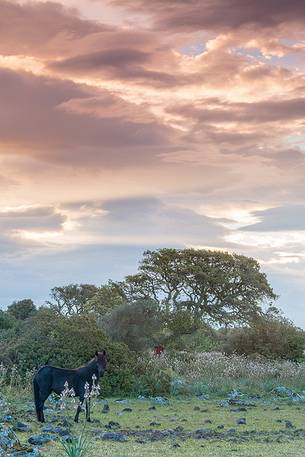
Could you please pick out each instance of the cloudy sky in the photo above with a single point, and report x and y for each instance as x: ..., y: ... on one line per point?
x: 135, y: 124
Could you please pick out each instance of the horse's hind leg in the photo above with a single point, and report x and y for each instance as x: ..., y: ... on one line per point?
x: 41, y: 413
x: 42, y: 397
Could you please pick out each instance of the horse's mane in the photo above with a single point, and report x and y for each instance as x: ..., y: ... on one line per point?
x: 85, y: 364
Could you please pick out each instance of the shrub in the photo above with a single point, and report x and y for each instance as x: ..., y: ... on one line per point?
x: 270, y: 336
x: 137, y: 324
x: 201, y: 340
x: 152, y: 378
x: 69, y: 342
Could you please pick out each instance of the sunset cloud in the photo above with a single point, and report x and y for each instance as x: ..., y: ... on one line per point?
x: 128, y: 124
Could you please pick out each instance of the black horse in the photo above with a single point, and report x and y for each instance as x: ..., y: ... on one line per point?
x: 50, y: 379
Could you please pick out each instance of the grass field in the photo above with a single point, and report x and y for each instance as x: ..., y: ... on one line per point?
x: 273, y: 427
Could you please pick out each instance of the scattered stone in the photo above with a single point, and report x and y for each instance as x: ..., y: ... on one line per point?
x: 127, y: 410
x: 289, y: 424
x: 32, y: 453
x: 105, y: 409
x: 196, y: 408
x: 39, y: 440
x: 203, y: 397
x: 202, y: 433
x: 161, y: 401
x: 223, y: 403
x: 21, y: 427
x: 10, y: 446
x: 112, y: 425
x: 8, y: 439
x: 220, y: 427
x: 154, y: 424
x: 122, y: 401
x: 114, y: 436
x: 207, y: 421
x: 57, y: 430
x: 179, y: 429
x: 241, y: 421
x: 283, y: 391
x: 176, y: 445
x: 152, y: 408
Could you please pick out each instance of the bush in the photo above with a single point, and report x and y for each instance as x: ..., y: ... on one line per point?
x: 201, y: 340
x: 137, y: 324
x: 153, y: 379
x: 68, y: 342
x: 269, y: 336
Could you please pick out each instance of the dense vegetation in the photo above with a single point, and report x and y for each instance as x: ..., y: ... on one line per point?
x: 190, y: 301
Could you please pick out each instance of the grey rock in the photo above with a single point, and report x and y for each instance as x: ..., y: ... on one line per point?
x: 203, y: 397
x: 241, y: 421
x: 114, y: 436
x: 105, y: 409
x: 21, y: 427
x: 112, y: 425
x: 39, y: 440
x: 289, y: 424
x: 160, y: 401
x: 30, y: 453
x: 57, y: 430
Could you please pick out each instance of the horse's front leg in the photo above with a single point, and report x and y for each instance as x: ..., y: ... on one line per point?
x: 88, y: 409
x: 79, y: 408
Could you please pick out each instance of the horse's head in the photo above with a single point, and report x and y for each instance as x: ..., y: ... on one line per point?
x: 101, y: 360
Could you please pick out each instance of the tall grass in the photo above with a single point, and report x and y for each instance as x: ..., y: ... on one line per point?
x: 215, y: 372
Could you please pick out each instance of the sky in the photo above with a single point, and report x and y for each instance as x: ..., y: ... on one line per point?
x: 128, y: 125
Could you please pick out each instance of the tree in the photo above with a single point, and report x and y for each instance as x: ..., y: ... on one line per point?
x: 71, y: 299
x: 214, y: 286
x: 22, y: 309
x: 136, y: 324
x: 7, y: 321
x: 106, y: 299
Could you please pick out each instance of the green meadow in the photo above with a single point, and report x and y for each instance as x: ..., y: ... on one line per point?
x: 183, y: 427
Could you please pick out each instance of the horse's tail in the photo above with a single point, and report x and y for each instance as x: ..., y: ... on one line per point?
x: 36, y: 397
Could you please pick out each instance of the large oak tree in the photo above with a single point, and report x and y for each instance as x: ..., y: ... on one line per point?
x: 214, y: 286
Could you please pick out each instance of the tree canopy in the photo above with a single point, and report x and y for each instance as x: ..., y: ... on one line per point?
x: 214, y: 286
x: 22, y: 309
x: 71, y: 299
